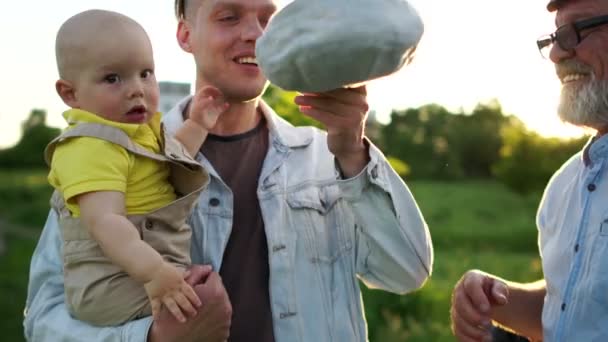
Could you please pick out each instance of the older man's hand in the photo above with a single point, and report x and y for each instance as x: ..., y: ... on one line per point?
x: 472, y: 300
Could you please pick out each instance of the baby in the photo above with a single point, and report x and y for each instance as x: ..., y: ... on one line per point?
x: 124, y: 188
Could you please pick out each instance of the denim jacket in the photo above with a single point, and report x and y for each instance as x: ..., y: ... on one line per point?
x: 324, y: 234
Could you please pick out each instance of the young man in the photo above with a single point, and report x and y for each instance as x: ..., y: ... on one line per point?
x: 291, y: 219
x: 570, y: 303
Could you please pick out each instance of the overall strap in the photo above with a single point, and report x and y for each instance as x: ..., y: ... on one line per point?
x: 103, y: 132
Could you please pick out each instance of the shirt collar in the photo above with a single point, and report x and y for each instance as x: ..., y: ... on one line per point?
x: 75, y: 116
x: 281, y: 131
x: 595, y: 149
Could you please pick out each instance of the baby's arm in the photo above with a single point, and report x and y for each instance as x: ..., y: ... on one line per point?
x: 103, y: 213
x: 205, y: 108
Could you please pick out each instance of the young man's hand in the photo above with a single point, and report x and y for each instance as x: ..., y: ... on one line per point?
x: 206, y: 107
x: 343, y: 112
x: 169, y: 289
x: 210, y: 324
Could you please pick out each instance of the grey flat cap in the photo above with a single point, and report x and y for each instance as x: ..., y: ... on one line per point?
x: 318, y: 45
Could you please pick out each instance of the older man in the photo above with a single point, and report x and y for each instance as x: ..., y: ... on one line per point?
x: 571, y: 302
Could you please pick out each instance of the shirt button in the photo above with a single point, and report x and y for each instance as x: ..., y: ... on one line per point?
x: 563, y: 306
x: 576, y: 248
x: 214, y: 202
x: 591, y: 187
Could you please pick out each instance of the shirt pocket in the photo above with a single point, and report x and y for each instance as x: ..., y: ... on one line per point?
x: 318, y: 217
x: 596, y: 275
x: 604, y: 226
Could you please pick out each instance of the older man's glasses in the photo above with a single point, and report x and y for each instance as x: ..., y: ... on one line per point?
x: 568, y: 36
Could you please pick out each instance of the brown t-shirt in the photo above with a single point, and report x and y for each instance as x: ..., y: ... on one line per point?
x: 238, y: 159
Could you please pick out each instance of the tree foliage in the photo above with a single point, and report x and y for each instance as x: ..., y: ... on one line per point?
x: 428, y: 142
x: 528, y: 160
x: 29, y: 151
x: 282, y: 103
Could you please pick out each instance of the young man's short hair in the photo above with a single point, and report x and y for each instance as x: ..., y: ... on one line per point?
x: 180, y: 9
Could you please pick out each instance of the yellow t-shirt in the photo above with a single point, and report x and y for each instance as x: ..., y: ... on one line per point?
x: 86, y: 164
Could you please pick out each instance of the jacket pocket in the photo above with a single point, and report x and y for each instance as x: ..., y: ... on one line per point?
x: 317, y: 215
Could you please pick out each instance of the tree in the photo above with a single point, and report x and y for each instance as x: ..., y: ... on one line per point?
x: 528, y: 160
x: 29, y: 151
x: 282, y: 103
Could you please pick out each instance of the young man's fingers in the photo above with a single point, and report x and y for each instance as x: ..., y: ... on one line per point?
x: 355, y: 96
x: 198, y: 274
x: 188, y: 291
x: 326, y: 105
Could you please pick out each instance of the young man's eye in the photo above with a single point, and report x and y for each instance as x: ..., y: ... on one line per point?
x: 229, y: 18
x: 112, y: 78
x: 147, y: 73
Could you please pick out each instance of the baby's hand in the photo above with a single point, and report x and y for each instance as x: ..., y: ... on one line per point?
x: 206, y: 107
x: 169, y: 288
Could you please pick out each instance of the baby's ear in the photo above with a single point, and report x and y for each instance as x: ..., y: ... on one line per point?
x: 67, y: 93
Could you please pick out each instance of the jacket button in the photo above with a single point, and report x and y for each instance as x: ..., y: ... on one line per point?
x: 148, y: 224
x: 277, y: 248
x: 591, y: 187
x: 214, y: 202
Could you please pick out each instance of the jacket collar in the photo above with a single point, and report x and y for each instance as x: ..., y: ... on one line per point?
x: 281, y: 131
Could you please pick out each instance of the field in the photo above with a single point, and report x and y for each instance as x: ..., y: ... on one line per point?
x: 474, y: 224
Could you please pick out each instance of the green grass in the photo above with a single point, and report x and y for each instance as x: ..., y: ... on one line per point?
x: 24, y: 198
x: 424, y: 315
x: 476, y: 224
x: 478, y: 215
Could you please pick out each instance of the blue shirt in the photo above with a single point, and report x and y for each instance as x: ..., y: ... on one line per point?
x: 573, y: 241
x: 323, y: 234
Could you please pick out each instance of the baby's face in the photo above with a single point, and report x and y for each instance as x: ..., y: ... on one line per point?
x: 117, y: 80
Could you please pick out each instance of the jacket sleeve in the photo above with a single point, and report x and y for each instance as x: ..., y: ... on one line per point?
x: 394, y: 248
x: 46, y: 316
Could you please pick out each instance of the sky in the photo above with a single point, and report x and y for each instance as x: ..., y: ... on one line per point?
x: 472, y: 51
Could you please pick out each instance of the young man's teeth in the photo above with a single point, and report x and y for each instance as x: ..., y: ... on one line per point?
x: 248, y: 60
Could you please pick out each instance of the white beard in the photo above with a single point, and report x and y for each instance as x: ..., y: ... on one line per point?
x: 585, y: 105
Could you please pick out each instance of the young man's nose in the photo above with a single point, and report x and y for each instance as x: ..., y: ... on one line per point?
x: 252, y: 30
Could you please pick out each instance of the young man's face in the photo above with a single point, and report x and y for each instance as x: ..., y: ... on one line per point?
x: 584, y: 71
x: 221, y: 34
x: 117, y: 82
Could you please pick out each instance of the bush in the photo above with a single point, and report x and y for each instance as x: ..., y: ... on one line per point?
x: 528, y: 160
x: 29, y: 151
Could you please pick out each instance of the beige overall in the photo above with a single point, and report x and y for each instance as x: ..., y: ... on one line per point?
x: 97, y: 291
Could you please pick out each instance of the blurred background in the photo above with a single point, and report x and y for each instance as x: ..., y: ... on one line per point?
x: 470, y: 125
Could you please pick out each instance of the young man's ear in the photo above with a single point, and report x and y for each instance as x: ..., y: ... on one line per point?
x: 67, y: 93
x: 183, y: 35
